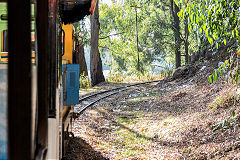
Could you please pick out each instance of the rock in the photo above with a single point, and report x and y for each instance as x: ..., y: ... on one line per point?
x: 155, y: 136
x: 185, y: 71
x: 203, y: 68
x: 220, y: 63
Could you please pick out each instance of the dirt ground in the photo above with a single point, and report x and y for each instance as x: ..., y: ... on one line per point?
x: 185, y: 118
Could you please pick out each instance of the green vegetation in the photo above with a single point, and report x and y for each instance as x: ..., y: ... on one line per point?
x: 145, y: 37
x: 125, y: 78
x: 216, y: 25
x: 227, y: 123
x: 138, y: 33
x: 214, y: 20
x: 221, y: 101
x: 84, y: 81
x: 132, y: 28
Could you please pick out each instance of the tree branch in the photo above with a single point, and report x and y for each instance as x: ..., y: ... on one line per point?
x: 105, y: 47
x: 160, y: 66
x: 172, y: 27
x: 169, y: 43
x: 112, y: 35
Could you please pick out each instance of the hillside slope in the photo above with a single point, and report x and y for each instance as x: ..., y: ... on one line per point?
x: 174, y: 119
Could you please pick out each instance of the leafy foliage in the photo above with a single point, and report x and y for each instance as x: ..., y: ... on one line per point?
x: 118, y: 34
x: 218, y: 20
x: 124, y: 78
x: 81, y: 32
x: 230, y: 68
x: 228, y: 122
x: 84, y: 81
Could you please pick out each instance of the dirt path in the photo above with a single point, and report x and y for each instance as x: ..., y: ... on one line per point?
x: 170, y: 120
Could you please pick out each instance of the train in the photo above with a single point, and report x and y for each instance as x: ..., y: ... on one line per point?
x: 39, y: 76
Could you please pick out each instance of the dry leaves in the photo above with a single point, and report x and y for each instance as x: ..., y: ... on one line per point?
x: 164, y: 121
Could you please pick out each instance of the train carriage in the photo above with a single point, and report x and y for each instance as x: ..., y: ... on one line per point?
x: 38, y: 80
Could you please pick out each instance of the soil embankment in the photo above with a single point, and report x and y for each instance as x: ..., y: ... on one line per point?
x: 177, y: 118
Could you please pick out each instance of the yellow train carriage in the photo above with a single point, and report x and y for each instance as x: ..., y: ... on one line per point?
x: 68, y: 44
x: 4, y: 47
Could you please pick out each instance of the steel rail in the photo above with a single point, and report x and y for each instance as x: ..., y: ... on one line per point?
x: 101, y: 92
x: 120, y: 89
x: 100, y: 98
x: 113, y: 89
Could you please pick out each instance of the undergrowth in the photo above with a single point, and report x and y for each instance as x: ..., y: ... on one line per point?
x: 120, y: 78
x: 222, y: 101
x: 228, y: 122
x: 84, y: 81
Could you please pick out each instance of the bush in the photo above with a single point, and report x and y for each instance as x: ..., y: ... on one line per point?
x: 84, y: 81
x: 120, y: 78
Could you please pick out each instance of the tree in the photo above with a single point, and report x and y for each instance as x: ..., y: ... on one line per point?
x: 95, y: 59
x: 186, y: 34
x: 82, y: 60
x: 174, y: 9
x: 81, y: 39
x: 118, y: 35
x: 215, y: 21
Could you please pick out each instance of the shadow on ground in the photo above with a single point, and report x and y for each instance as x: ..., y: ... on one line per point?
x: 79, y: 149
x: 139, y: 135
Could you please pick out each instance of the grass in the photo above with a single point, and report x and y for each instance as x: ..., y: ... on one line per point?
x: 118, y: 79
x: 132, y: 145
x: 131, y: 117
x: 222, y: 100
x: 157, y: 93
x: 129, y: 143
x: 97, y: 88
x: 125, y: 78
x: 123, y: 119
x: 136, y: 100
x: 136, y: 128
x: 134, y: 135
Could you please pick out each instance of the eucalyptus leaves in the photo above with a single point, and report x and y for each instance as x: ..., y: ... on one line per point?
x: 230, y: 68
x: 217, y: 19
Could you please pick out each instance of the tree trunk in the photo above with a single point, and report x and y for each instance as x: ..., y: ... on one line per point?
x: 95, y: 59
x: 81, y: 59
x: 174, y: 9
x: 186, y: 39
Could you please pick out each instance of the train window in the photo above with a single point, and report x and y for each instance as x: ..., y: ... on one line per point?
x: 3, y: 82
x: 4, y: 39
x: 63, y: 41
x: 4, y: 46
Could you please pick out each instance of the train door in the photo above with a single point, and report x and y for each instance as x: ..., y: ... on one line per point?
x: 71, y: 84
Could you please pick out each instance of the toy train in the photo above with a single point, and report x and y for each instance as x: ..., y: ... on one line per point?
x: 39, y: 82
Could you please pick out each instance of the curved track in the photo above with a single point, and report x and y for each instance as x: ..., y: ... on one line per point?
x: 89, y: 100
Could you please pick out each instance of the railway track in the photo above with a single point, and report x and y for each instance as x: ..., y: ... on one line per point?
x: 89, y: 100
